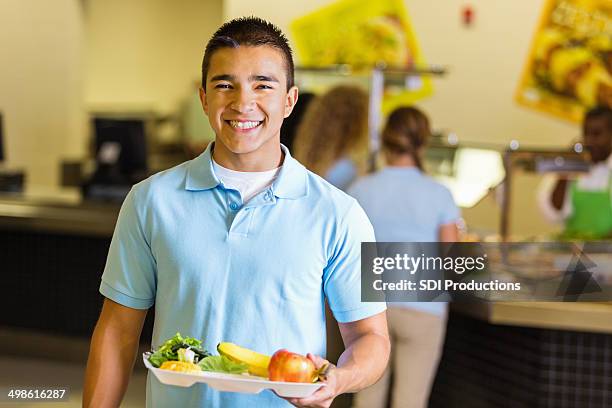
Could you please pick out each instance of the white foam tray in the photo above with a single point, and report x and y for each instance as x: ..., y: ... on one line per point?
x: 244, y: 383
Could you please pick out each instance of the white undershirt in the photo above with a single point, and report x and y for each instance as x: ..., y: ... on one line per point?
x: 248, y: 183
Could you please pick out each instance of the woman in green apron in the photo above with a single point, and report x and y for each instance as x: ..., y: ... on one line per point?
x: 590, y: 217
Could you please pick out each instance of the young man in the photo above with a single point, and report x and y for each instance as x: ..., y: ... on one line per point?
x: 241, y: 244
x: 585, y: 205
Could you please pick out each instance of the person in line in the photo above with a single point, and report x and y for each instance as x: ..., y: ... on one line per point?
x: 332, y: 139
x: 406, y: 205
x: 584, y: 205
x: 241, y: 244
x: 290, y: 124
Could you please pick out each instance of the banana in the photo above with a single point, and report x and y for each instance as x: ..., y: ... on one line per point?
x: 257, y: 363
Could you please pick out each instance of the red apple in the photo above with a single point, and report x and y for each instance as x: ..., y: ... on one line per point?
x: 291, y: 367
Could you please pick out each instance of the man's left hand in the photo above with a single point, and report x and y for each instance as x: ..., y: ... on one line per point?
x: 323, y: 397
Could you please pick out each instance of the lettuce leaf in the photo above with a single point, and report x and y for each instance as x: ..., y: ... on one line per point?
x: 169, y: 350
x: 222, y: 364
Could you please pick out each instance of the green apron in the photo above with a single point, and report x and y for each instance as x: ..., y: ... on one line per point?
x: 592, y: 213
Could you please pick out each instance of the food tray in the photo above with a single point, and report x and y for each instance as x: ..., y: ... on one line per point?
x: 244, y: 383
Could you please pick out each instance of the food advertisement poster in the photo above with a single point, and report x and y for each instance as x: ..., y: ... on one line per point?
x: 363, y: 34
x: 569, y: 69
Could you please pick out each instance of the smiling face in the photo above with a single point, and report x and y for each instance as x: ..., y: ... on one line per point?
x: 246, y: 100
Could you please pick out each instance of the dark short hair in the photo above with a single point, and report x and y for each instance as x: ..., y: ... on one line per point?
x: 249, y: 31
x: 600, y: 112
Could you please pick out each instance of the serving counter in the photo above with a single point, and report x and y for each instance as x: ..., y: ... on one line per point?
x: 579, y: 316
x: 62, y: 214
x: 526, y: 354
x: 53, y: 249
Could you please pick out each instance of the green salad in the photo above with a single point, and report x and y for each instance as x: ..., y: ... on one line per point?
x: 222, y: 364
x: 170, y: 349
x: 189, y: 350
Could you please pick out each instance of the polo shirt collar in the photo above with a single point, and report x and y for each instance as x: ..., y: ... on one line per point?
x: 291, y: 181
x: 200, y: 173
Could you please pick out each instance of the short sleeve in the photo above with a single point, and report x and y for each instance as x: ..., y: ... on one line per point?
x: 342, y: 276
x: 450, y: 212
x: 129, y: 276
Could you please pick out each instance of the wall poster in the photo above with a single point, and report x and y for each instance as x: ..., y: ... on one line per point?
x: 569, y: 69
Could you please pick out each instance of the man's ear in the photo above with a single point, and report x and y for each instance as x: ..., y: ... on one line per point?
x: 203, y: 100
x: 292, y: 97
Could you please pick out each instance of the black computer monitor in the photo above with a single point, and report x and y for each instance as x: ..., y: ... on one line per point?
x: 127, y: 135
x: 1, y: 138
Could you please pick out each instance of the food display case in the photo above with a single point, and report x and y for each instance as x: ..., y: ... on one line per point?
x: 533, y: 353
x: 538, y: 161
x: 469, y: 170
x: 525, y: 353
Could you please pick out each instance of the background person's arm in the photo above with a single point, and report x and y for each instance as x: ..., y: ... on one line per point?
x: 361, y: 364
x: 557, y: 198
x: 114, y: 345
x: 448, y: 233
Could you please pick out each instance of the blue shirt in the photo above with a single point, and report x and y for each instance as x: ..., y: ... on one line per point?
x: 256, y: 275
x: 342, y: 173
x: 405, y: 205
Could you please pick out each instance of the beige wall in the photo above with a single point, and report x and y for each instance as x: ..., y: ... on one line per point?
x: 62, y: 58
x: 41, y: 80
x: 145, y: 54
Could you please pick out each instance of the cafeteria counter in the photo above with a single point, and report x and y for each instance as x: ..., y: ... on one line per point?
x: 526, y: 354
x: 53, y: 250
x: 63, y: 213
x: 578, y: 316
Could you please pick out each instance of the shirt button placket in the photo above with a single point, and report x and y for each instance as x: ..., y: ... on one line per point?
x: 233, y: 199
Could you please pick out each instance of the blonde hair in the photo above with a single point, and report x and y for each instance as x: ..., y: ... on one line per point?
x: 335, y: 125
x: 406, y: 132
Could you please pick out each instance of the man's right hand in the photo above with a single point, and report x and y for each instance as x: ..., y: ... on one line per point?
x: 114, y: 345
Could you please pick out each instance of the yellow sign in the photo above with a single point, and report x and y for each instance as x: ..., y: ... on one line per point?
x: 363, y: 34
x: 570, y: 65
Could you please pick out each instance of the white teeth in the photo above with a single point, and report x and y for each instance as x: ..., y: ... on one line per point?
x: 243, y: 125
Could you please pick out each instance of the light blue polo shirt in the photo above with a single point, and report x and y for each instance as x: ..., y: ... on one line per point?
x: 256, y: 275
x: 406, y: 205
